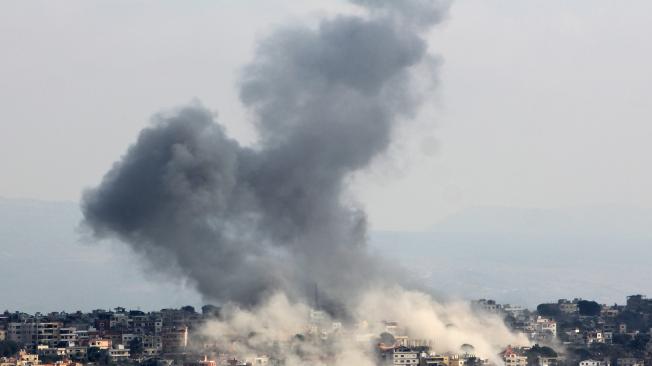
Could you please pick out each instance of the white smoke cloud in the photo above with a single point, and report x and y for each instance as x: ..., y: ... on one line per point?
x: 282, y: 329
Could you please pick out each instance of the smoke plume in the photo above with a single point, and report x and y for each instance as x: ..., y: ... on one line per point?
x: 257, y: 228
x: 243, y: 223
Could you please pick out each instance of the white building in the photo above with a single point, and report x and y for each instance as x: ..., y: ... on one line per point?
x: 545, y: 326
x: 516, y: 311
x: 152, y: 341
x: 27, y: 359
x: 547, y: 361
x: 405, y: 356
x: 260, y: 360
x: 591, y: 362
x: 512, y: 358
x: 568, y: 307
x: 487, y: 305
x: 34, y: 332
x: 68, y: 335
x: 629, y: 361
x: 594, y: 337
x: 100, y: 343
x: 119, y: 353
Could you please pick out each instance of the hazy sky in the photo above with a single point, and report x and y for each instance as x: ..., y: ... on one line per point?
x: 540, y: 103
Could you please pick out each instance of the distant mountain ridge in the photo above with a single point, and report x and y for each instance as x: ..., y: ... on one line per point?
x: 528, y: 256
x: 523, y: 256
x: 45, y: 267
x: 578, y: 221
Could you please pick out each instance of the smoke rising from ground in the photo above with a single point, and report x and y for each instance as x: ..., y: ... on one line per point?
x: 278, y: 328
x: 256, y: 228
x: 245, y: 222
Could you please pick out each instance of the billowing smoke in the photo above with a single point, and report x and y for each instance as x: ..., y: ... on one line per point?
x: 257, y: 228
x: 243, y: 223
x: 278, y: 329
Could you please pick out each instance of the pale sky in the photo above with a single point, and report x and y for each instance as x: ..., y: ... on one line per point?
x: 540, y: 103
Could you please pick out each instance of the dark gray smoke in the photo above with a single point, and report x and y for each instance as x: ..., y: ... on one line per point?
x: 244, y: 222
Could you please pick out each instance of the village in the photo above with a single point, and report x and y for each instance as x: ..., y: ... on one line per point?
x: 563, y: 333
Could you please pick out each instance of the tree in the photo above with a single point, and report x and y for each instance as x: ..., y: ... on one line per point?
x: 639, y: 343
x: 150, y: 362
x: 467, y: 348
x: 100, y: 356
x: 8, y: 348
x: 473, y: 361
x: 621, y: 338
x: 188, y: 309
x: 49, y: 358
x: 547, y: 352
x: 537, y: 351
x: 136, y: 347
x: 634, y: 320
x: 588, y: 308
x: 581, y: 353
x: 210, y: 310
x: 548, y: 310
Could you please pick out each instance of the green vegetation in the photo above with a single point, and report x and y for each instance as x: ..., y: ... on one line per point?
x: 551, y: 310
x: 8, y: 348
x: 136, y: 347
x: 534, y: 353
x: 101, y: 356
x: 588, y: 308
